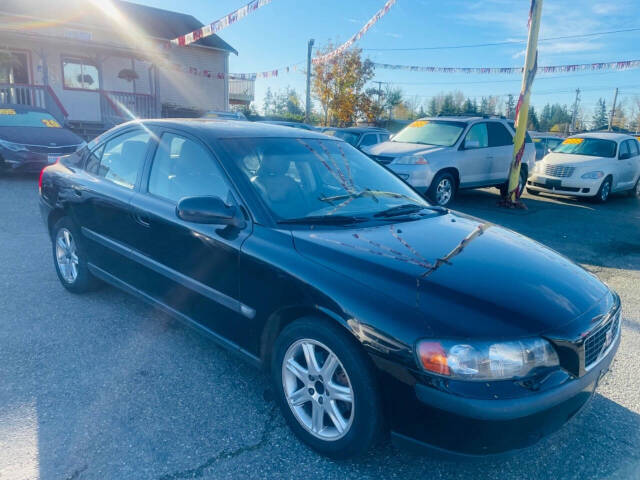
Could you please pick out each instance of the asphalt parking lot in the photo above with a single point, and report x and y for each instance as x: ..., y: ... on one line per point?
x: 103, y: 386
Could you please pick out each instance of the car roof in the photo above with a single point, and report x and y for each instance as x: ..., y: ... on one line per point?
x: 618, y: 137
x: 222, y: 128
x: 361, y: 129
x: 23, y: 108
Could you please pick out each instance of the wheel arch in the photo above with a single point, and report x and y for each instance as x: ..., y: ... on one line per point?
x: 279, y: 319
x: 55, y: 215
x: 453, y: 171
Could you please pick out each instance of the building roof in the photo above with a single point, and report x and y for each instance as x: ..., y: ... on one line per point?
x: 154, y: 22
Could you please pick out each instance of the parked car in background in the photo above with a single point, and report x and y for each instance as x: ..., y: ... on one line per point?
x: 283, y: 123
x: 544, y: 143
x: 223, y: 115
x: 440, y: 155
x: 299, y: 252
x: 360, y: 137
x: 31, y: 139
x: 589, y: 165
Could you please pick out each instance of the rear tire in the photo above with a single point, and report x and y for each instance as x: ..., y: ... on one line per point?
x: 336, y: 427
x: 443, y: 189
x: 70, y: 258
x: 635, y: 191
x: 604, y: 191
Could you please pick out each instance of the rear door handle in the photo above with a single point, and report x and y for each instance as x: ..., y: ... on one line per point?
x: 142, y: 219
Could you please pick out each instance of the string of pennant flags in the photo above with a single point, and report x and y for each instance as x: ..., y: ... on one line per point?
x: 358, y: 35
x: 622, y: 65
x: 220, y: 24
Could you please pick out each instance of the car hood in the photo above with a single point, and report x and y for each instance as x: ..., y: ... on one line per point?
x: 465, y: 277
x: 397, y: 149
x: 40, y: 136
x: 568, y: 159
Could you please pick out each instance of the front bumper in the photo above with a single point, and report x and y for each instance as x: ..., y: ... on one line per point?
x: 572, y: 186
x: 432, y: 419
x: 418, y: 176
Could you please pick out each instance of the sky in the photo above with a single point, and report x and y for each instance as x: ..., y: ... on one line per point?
x: 276, y: 36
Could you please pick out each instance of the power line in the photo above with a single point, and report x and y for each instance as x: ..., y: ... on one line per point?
x: 507, y: 42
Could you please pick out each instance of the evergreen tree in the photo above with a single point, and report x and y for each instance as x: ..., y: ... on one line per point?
x: 469, y: 107
x: 510, y: 107
x: 600, y: 119
x: 533, y: 123
x: 433, y: 108
x: 448, y: 105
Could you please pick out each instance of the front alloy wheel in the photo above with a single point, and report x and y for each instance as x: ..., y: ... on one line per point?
x: 318, y: 389
x: 605, y: 190
x: 326, y: 387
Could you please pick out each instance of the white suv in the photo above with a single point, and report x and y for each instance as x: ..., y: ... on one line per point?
x: 589, y: 165
x: 437, y: 156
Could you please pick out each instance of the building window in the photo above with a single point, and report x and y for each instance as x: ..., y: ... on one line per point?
x: 80, y: 74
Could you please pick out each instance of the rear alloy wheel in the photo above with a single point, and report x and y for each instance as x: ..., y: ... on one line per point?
x: 326, y: 389
x: 443, y: 189
x: 70, y: 259
x: 636, y: 190
x: 605, y: 190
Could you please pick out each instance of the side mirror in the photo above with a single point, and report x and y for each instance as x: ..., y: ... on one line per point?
x: 209, y: 210
x: 469, y: 144
x: 624, y: 156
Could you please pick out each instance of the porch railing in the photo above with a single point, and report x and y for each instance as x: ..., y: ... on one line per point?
x: 241, y: 91
x: 33, y: 95
x: 118, y: 107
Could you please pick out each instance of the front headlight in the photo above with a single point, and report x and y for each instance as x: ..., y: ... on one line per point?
x: 538, y: 167
x: 411, y: 160
x: 593, y: 175
x: 14, y: 147
x: 482, y: 361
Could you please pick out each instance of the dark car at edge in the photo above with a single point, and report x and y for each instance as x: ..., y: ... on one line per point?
x: 31, y: 138
x: 372, y: 310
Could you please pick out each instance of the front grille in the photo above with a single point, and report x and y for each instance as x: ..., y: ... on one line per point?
x: 64, y: 150
x: 382, y: 160
x: 594, y: 344
x: 559, y: 171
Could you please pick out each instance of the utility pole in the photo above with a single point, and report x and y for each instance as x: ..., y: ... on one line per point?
x: 574, y: 115
x: 379, y: 93
x: 613, y: 110
x: 307, y: 111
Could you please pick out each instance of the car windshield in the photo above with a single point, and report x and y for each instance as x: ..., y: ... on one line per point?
x: 300, y: 178
x: 10, y: 117
x: 596, y: 147
x: 431, y: 132
x: 350, y: 138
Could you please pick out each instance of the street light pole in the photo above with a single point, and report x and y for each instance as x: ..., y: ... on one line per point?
x: 307, y: 112
x: 613, y: 111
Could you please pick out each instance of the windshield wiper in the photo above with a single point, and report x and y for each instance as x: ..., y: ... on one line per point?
x: 324, y: 219
x: 364, y: 193
x: 408, y: 209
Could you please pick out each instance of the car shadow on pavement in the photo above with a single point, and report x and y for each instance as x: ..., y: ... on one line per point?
x: 602, y: 235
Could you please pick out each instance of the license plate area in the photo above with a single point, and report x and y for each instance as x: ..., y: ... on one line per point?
x: 550, y: 183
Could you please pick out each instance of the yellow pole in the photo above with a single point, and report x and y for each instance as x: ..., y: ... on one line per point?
x: 522, y: 109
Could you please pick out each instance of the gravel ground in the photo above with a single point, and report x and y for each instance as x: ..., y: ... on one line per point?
x: 102, y: 386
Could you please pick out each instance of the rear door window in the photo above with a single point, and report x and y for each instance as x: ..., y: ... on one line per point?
x: 498, y: 135
x: 633, y: 147
x: 120, y: 159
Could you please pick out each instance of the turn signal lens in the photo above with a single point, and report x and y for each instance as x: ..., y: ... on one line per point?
x: 433, y: 357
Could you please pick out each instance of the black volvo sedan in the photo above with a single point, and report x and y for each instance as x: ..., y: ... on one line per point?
x: 30, y: 139
x: 372, y: 309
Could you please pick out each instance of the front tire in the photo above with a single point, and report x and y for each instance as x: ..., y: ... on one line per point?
x: 70, y: 258
x: 604, y: 191
x: 326, y: 388
x: 442, y: 189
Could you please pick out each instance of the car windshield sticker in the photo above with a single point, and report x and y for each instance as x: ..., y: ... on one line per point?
x: 419, y: 123
x: 573, y: 141
x: 7, y: 111
x: 51, y: 123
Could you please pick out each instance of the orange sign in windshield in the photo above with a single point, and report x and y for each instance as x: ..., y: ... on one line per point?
x: 419, y: 123
x: 573, y: 141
